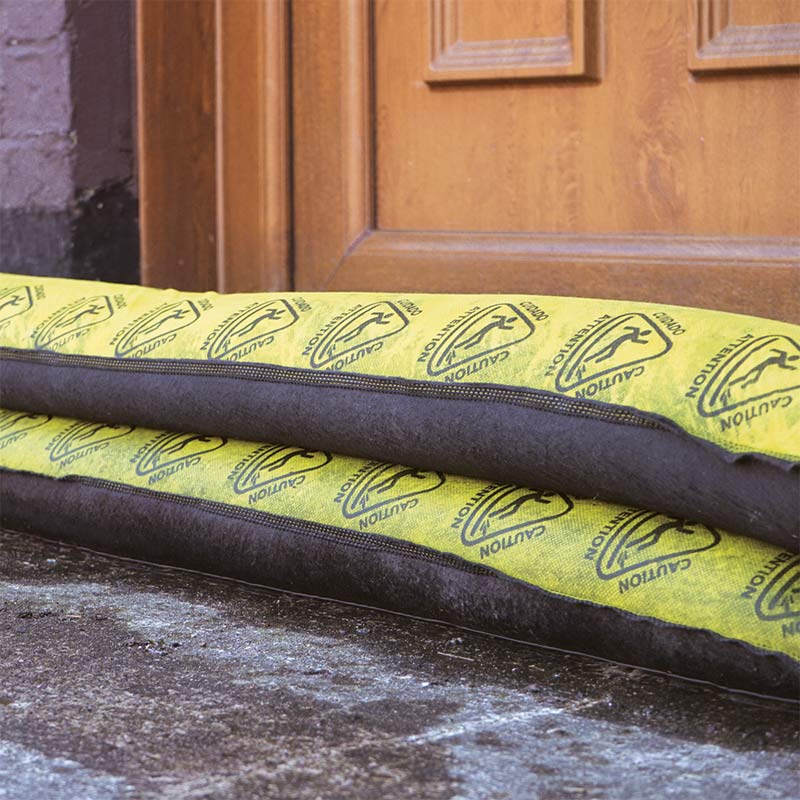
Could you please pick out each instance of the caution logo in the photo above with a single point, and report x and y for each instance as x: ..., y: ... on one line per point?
x: 378, y: 491
x: 73, y: 321
x: 14, y: 425
x: 508, y: 515
x: 612, y: 352
x: 81, y: 439
x: 169, y: 453
x: 250, y: 329
x: 645, y: 539
x: 272, y: 468
x: 761, y: 368
x: 154, y: 329
x: 355, y: 334
x: 15, y: 301
x: 780, y: 598
x: 475, y: 337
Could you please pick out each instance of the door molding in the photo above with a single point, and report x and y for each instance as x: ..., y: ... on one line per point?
x: 217, y: 182
x: 213, y: 123
x: 340, y: 245
x: 576, y: 53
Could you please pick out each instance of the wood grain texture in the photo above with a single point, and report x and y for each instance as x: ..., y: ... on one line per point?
x: 645, y: 150
x: 253, y: 176
x: 735, y: 35
x: 333, y: 134
x: 176, y: 142
x: 540, y: 40
x: 760, y: 277
x: 213, y: 89
x: 646, y: 185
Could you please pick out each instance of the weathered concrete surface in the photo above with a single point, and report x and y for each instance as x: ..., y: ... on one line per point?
x: 120, y: 680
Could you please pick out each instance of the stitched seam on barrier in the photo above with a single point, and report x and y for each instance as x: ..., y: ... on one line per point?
x: 403, y: 548
x: 525, y: 398
x: 408, y: 549
x: 290, y: 525
x: 535, y: 399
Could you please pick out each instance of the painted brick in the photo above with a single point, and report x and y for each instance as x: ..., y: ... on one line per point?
x: 2, y: 90
x: 31, y: 20
x: 37, y: 91
x: 36, y: 241
x: 36, y: 172
x: 65, y: 126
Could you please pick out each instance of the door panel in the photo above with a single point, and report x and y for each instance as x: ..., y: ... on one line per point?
x: 562, y: 146
x: 472, y: 40
x: 737, y: 34
x: 645, y: 148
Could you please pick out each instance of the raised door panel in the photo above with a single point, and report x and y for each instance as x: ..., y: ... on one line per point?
x: 632, y: 175
x: 729, y: 35
x: 472, y: 40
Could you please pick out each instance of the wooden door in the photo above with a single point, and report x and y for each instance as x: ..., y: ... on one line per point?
x: 641, y: 149
x: 644, y: 149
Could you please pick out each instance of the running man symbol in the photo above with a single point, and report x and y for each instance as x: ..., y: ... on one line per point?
x: 91, y: 310
x: 272, y: 463
x: 634, y: 335
x: 377, y: 318
x: 269, y: 314
x: 282, y: 462
x: 502, y: 322
x: 509, y: 509
x: 382, y: 485
x: 178, y: 314
x: 14, y: 425
x: 762, y: 367
x: 387, y: 484
x: 355, y: 334
x: 156, y: 328
x: 645, y: 538
x: 651, y: 538
x: 178, y: 446
x: 13, y: 301
x: 605, y: 351
x: 471, y: 337
x: 781, y: 360
x: 10, y: 419
x: 175, y: 448
x: 82, y: 436
x: 91, y: 430
x: 73, y: 320
x: 503, y: 509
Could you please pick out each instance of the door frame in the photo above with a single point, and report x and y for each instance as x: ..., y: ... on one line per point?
x: 214, y: 168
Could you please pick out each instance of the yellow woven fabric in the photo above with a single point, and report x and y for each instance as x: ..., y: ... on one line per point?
x: 726, y: 378
x: 642, y: 562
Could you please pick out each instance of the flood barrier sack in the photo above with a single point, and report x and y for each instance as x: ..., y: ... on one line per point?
x: 537, y: 565
x: 691, y: 412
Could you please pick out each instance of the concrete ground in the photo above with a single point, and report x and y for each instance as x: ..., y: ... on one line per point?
x: 119, y: 680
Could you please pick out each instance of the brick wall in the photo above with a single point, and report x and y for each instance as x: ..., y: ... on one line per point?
x: 67, y: 194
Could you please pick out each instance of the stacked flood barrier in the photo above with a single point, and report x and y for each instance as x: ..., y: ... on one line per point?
x: 615, y: 478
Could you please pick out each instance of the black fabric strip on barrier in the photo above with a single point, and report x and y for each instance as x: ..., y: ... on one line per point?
x: 587, y: 456
x: 150, y: 527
